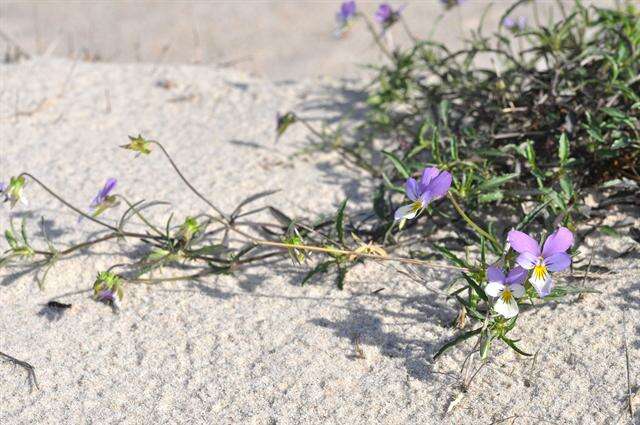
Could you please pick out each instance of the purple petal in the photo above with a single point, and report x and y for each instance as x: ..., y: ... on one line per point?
x: 494, y: 274
x: 508, y: 22
x: 411, y: 187
x: 383, y: 13
x: 3, y: 186
x: 527, y: 260
x: 521, y: 242
x: 440, y: 185
x: 558, y: 241
x: 517, y: 275
x: 558, y: 261
x: 108, y: 186
x: 427, y: 175
x: 347, y: 10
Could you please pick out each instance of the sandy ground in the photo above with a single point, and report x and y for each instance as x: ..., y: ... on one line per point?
x: 257, y: 347
x: 276, y: 39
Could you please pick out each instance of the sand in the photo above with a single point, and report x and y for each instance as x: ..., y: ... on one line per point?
x: 257, y: 347
x: 280, y: 40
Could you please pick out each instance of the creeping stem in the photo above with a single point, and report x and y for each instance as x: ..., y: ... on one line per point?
x: 193, y: 189
x: 470, y: 222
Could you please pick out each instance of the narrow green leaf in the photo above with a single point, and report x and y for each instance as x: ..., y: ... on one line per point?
x: 342, y: 274
x: 400, y: 166
x: 340, y: 221
x: 476, y: 287
x: 453, y: 342
x: 512, y: 343
x: 320, y: 268
x: 563, y: 149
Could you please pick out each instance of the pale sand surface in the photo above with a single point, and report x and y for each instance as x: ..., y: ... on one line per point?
x: 257, y: 347
x: 289, y: 39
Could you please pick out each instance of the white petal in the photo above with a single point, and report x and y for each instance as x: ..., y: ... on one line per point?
x: 508, y: 308
x: 542, y: 287
x: 406, y: 211
x: 494, y: 289
x: 517, y: 290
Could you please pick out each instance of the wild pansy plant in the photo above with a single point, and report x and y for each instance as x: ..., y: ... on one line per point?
x: 521, y: 142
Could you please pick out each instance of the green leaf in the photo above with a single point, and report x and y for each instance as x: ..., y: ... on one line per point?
x: 320, y: 268
x: 476, y: 287
x: 609, y: 231
x: 400, y: 166
x: 455, y: 341
x: 209, y: 250
x: 342, y: 274
x: 512, y: 343
x: 563, y: 149
x: 379, y: 204
x: 340, y: 221
x: 497, y: 181
x: 450, y: 256
x: 283, y: 122
x: 491, y: 196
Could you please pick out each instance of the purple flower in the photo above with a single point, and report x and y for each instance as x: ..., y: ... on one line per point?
x: 347, y: 12
x: 3, y: 189
x: 448, y: 4
x: 552, y: 257
x: 433, y: 184
x: 506, y: 288
x: 386, y: 16
x: 106, y: 296
x: 103, y: 194
x: 515, y: 25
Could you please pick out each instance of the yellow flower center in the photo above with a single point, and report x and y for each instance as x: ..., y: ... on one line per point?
x: 506, y: 295
x: 416, y: 206
x: 540, y: 272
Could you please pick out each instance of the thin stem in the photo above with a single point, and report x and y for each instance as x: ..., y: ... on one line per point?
x: 184, y: 179
x: 357, y: 254
x: 376, y: 36
x: 471, y: 223
x: 139, y: 214
x: 67, y: 204
x: 30, y: 369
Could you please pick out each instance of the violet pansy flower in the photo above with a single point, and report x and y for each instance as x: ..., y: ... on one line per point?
x: 104, y: 199
x: 551, y: 258
x: 345, y: 16
x: 507, y: 289
x: 347, y: 12
x: 386, y: 15
x: 433, y: 184
x: 515, y: 24
x: 103, y: 194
